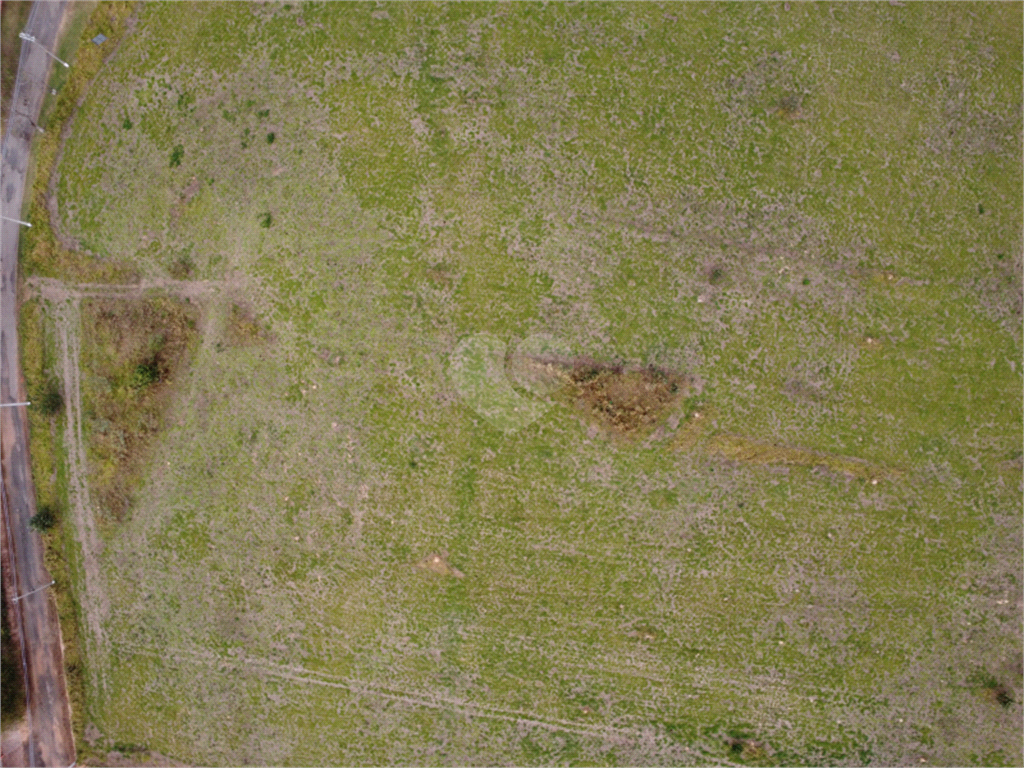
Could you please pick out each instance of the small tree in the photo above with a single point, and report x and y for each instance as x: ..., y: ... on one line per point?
x: 44, y: 519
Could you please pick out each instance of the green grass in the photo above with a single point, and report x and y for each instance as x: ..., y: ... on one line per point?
x: 804, y: 209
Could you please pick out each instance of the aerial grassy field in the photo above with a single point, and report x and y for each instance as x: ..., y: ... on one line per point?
x: 606, y: 384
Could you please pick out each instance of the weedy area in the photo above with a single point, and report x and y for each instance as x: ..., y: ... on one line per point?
x: 134, y: 354
x: 772, y: 517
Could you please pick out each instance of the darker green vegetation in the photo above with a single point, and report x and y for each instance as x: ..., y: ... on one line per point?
x: 44, y: 519
x: 145, y: 374
x: 992, y: 689
x: 266, y: 220
x: 52, y: 402
x: 182, y: 268
x: 12, y: 694
x: 176, y: 155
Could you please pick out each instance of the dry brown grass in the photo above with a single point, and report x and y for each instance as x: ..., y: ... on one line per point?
x: 243, y: 329
x: 441, y: 276
x: 135, y: 349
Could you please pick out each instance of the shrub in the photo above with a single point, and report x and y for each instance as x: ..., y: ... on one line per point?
x: 52, y: 401
x: 270, y: 138
x: 44, y: 519
x: 144, y: 375
x: 176, y: 155
x: 266, y: 220
x: 127, y: 124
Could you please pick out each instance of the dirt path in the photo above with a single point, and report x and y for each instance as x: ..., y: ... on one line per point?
x: 50, y: 289
x: 94, y: 602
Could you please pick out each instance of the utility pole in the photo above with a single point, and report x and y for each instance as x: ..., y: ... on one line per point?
x: 32, y: 39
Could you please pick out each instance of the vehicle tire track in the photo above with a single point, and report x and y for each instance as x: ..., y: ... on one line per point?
x: 95, y: 603
x: 624, y: 736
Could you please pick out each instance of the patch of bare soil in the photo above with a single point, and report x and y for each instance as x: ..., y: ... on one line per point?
x: 438, y: 563
x: 628, y: 401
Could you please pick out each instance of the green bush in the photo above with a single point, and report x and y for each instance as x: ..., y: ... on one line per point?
x: 144, y: 375
x: 44, y: 519
x: 266, y: 220
x: 52, y: 401
x: 176, y: 155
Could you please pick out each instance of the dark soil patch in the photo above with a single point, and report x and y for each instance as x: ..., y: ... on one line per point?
x: 999, y: 693
x: 628, y: 401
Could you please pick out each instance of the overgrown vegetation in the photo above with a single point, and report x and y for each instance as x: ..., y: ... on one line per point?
x: 743, y: 449
x: 134, y: 351
x: 39, y: 366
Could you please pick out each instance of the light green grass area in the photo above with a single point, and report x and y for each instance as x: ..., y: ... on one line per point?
x: 814, y: 211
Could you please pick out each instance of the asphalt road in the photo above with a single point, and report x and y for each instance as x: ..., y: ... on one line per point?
x: 34, y: 617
